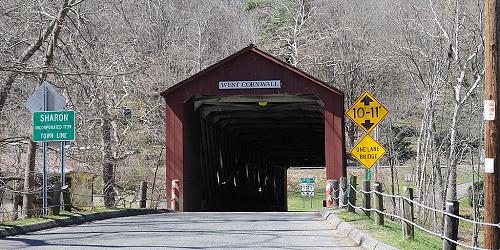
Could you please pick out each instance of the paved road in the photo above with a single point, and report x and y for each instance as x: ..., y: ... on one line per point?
x: 191, y: 231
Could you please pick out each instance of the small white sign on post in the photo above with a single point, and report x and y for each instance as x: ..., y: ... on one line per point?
x: 489, y: 110
x: 307, y: 186
x: 489, y: 165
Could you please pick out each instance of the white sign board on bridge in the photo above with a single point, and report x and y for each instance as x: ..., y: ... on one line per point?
x: 265, y: 84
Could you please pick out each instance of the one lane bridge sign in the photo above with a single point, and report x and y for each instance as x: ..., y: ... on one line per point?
x: 367, y: 112
x: 368, y: 151
x: 54, y: 126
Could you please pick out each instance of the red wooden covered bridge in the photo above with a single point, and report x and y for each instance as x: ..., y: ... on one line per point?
x: 234, y: 129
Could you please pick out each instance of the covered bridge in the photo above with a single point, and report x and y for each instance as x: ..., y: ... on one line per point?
x: 233, y: 130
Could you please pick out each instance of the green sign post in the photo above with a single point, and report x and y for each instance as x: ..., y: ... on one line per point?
x: 54, y: 126
x: 307, y: 188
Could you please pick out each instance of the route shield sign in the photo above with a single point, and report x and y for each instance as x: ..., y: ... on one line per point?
x: 53, y: 126
x: 368, y: 151
x: 367, y: 112
x: 307, y: 186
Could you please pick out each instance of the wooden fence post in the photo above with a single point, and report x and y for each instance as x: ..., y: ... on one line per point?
x: 56, y: 198
x: 352, y: 194
x: 379, y: 204
x: 367, y: 204
x: 451, y: 225
x: 343, y: 192
x: 335, y: 186
x: 407, y: 211
x: 144, y: 191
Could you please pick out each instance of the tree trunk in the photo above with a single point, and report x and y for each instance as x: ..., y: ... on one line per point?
x: 107, y: 162
x: 29, y: 181
x: 392, y: 163
x: 351, y: 133
x: 49, y: 54
x: 451, y: 192
x: 437, y: 177
x: 16, y: 198
x: 423, y: 168
x: 418, y: 160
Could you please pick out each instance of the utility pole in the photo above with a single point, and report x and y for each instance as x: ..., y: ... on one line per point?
x: 491, y: 126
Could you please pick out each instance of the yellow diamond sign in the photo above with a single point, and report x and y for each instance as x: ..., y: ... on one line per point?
x: 367, y: 112
x: 368, y: 151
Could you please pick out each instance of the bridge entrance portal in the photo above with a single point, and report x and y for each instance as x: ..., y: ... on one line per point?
x: 234, y: 129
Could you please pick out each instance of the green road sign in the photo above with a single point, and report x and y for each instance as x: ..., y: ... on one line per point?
x: 54, y: 126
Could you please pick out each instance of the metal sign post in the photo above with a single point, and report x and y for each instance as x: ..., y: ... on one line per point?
x: 311, y: 193
x: 304, y: 190
x: 307, y: 189
x: 44, y: 195
x: 304, y: 200
x: 368, y: 174
x: 46, y: 98
x: 377, y: 165
x: 63, y: 182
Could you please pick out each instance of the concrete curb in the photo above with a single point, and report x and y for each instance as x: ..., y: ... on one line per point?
x: 75, y: 220
x: 356, y: 235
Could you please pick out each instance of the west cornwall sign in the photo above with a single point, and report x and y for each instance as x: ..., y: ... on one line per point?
x: 266, y: 84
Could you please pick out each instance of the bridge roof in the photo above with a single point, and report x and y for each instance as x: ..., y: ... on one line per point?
x: 259, y: 54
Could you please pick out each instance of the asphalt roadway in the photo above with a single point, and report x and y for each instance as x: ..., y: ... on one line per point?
x: 191, y: 231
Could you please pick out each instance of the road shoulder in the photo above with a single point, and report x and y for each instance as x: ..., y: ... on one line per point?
x: 75, y: 220
x: 356, y: 235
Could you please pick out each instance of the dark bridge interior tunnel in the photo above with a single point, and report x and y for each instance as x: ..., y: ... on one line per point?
x: 246, y: 144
